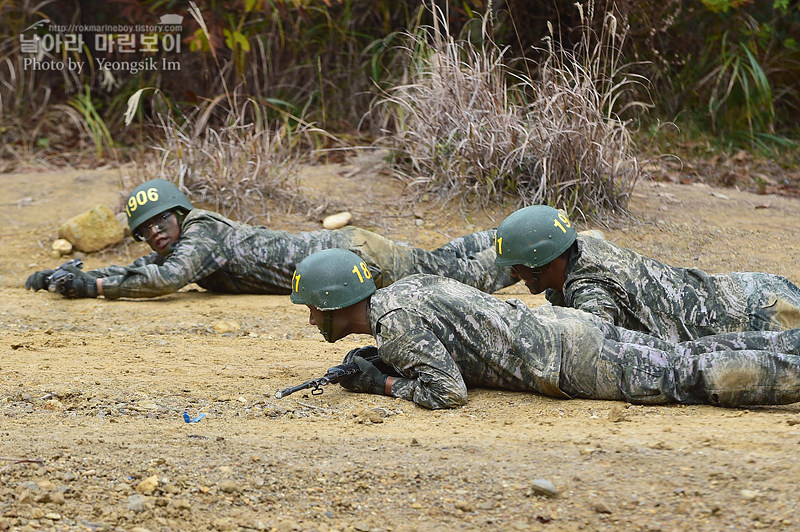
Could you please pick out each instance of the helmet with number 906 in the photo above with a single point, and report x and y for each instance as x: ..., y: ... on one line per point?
x: 533, y: 236
x: 151, y: 199
x: 331, y: 279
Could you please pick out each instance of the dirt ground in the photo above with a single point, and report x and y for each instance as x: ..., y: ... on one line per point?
x: 92, y: 395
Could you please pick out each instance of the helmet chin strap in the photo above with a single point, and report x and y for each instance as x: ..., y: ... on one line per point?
x: 327, y: 325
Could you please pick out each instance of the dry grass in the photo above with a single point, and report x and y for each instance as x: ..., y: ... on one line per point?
x: 36, y: 129
x: 468, y: 126
x: 236, y: 169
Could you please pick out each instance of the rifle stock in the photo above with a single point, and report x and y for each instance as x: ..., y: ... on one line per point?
x: 332, y: 376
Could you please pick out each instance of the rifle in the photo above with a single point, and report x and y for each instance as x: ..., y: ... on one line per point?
x: 333, y: 375
x: 61, y: 276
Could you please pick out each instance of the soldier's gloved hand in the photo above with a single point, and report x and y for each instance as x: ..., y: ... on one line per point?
x: 370, y: 380
x: 79, y: 286
x: 363, y: 352
x: 38, y: 280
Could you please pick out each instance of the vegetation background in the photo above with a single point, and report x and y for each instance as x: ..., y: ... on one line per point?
x: 520, y: 101
x: 459, y: 106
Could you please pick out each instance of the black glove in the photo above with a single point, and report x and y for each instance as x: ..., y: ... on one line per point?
x: 363, y: 352
x: 73, y: 283
x: 370, y: 380
x: 38, y: 280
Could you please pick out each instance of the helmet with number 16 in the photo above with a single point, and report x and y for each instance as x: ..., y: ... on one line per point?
x: 533, y: 236
x: 151, y: 199
x: 331, y: 279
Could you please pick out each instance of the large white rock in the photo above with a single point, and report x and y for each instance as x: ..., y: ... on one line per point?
x: 336, y: 221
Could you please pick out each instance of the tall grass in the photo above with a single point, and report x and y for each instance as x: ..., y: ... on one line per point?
x: 241, y: 168
x: 467, y: 125
x: 33, y: 128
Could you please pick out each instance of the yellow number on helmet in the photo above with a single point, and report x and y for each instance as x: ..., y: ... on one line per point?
x: 296, y: 282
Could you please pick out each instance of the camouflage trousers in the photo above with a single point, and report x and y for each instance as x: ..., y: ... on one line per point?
x: 729, y: 369
x: 773, y: 302
x: 468, y: 259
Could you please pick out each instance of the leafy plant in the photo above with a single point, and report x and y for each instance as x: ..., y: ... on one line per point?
x: 92, y: 121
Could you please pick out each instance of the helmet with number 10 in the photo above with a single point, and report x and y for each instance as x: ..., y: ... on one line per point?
x: 331, y: 279
x: 533, y: 236
x: 151, y: 199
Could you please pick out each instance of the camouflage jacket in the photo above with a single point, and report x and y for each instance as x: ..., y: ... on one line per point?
x: 221, y: 256
x: 442, y: 336
x: 231, y: 257
x: 676, y: 304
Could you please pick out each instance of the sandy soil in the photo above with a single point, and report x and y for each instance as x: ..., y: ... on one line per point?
x: 92, y: 435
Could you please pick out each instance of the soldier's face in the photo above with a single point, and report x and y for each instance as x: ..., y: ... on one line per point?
x: 325, y: 322
x: 161, y: 231
x: 527, y: 275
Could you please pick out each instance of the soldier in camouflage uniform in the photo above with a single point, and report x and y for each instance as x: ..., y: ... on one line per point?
x: 437, y: 337
x: 636, y: 292
x: 197, y: 246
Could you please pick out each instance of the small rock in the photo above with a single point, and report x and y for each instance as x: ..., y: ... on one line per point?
x: 62, y: 246
x: 223, y: 525
x: 749, y: 495
x: 617, y: 414
x: 137, y: 503
x: 58, y: 498
x: 55, y: 405
x: 148, y: 485
x: 337, y: 221
x: 465, y: 506
x: 44, y: 498
x: 52, y: 516
x: 543, y: 487
x: 369, y: 416
x: 181, y: 504
x: 222, y: 327
x: 601, y: 507
x: 229, y: 486
x: 45, y: 484
x: 594, y: 233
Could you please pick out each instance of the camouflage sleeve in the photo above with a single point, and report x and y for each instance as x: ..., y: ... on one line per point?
x: 430, y: 376
x: 596, y: 297
x: 111, y: 271
x: 195, y: 256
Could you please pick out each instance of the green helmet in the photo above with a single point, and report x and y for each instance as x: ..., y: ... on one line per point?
x: 533, y: 236
x: 331, y: 279
x: 151, y: 199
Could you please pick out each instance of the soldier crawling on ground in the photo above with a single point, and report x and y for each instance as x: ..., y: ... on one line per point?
x: 636, y: 292
x: 192, y: 245
x: 437, y: 337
